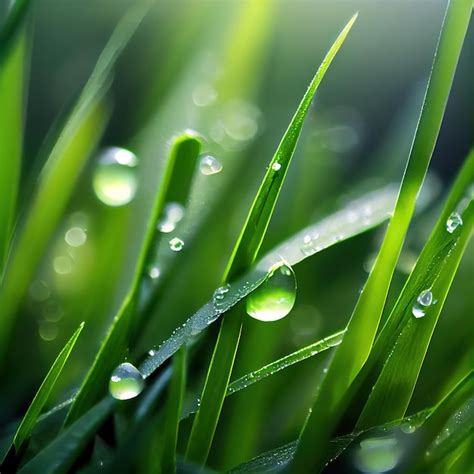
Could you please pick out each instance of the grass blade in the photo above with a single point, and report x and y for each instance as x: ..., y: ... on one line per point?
x: 69, y: 154
x: 243, y: 256
x: 12, y: 71
x: 173, y: 411
x: 355, y: 348
x: 61, y: 453
x: 12, y: 26
x: 44, y: 391
x: 400, y: 327
x: 115, y: 343
x: 344, y: 224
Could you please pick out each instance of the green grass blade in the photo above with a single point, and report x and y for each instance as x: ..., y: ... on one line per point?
x: 390, y: 396
x: 286, y: 361
x: 348, y: 222
x: 61, y: 453
x: 115, y: 343
x: 173, y: 411
x: 243, y: 256
x: 12, y: 71
x: 41, y: 397
x: 362, y: 327
x: 69, y: 154
x: 12, y: 26
x: 400, y: 321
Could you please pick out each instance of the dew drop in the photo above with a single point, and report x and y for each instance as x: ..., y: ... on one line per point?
x: 204, y: 95
x: 62, y: 265
x: 209, y: 165
x: 154, y: 272
x: 115, y: 177
x: 275, y: 297
x: 176, y: 244
x: 173, y: 212
x: 423, y: 301
x: 75, y: 237
x: 453, y: 222
x: 276, y: 166
x: 126, y: 382
x: 219, y: 296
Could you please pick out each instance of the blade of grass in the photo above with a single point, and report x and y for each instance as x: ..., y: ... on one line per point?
x: 355, y: 348
x: 60, y: 454
x: 12, y: 72
x: 12, y: 26
x: 359, y: 216
x: 116, y: 341
x: 69, y: 154
x: 429, y: 264
x: 243, y: 256
x: 173, y: 411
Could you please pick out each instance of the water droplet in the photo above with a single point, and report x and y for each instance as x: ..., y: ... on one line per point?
x: 75, y: 237
x: 240, y: 120
x: 126, y: 382
x: 276, y: 166
x: 408, y: 428
x: 115, y: 177
x: 378, y: 454
x: 176, y: 244
x: 209, y: 165
x: 275, y: 297
x: 48, y: 331
x: 154, y: 272
x: 151, y: 352
x: 424, y: 299
x: 453, y: 222
x: 219, y: 296
x: 172, y: 214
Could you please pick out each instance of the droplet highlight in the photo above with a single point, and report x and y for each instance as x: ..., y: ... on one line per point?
x: 126, y: 382
x: 115, y: 177
x: 423, y: 301
x: 172, y: 215
x: 453, y: 222
x: 275, y: 297
x: 176, y: 244
x: 209, y: 165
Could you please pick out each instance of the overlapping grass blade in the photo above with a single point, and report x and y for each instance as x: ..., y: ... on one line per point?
x: 357, y: 217
x: 12, y: 27
x: 12, y: 72
x: 243, y: 256
x: 61, y: 453
x: 69, y: 154
x: 115, y: 343
x: 435, y: 267
x: 173, y: 411
x: 355, y: 348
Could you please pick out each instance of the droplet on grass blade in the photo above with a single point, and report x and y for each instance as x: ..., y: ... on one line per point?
x: 423, y: 301
x: 209, y: 165
x: 275, y: 297
x: 173, y: 213
x: 219, y: 296
x: 453, y: 222
x: 126, y: 382
x: 115, y: 177
x: 176, y: 244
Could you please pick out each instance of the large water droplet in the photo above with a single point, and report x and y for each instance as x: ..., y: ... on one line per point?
x: 453, y: 222
x: 176, y: 244
x: 115, y: 177
x: 275, y: 297
x: 209, y: 165
x: 172, y: 214
x: 378, y: 454
x: 423, y: 301
x: 126, y: 382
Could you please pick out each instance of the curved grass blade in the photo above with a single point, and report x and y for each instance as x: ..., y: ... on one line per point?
x: 357, y: 217
x: 12, y: 72
x: 44, y: 391
x: 69, y: 154
x: 355, y: 348
x: 286, y: 361
x: 12, y: 27
x: 243, y: 256
x: 173, y: 411
x: 61, y: 453
x: 437, y: 253
x: 115, y: 343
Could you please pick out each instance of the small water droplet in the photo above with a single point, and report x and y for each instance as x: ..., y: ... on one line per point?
x: 172, y: 214
x: 219, y: 295
x: 408, y: 428
x: 126, y: 382
x: 115, y: 177
x: 276, y: 166
x: 204, y: 95
x: 154, y: 272
x: 151, y: 352
x: 48, y: 331
x: 453, y: 222
x: 423, y: 301
x: 62, y: 265
x: 75, y: 236
x: 275, y: 297
x: 176, y: 244
x: 209, y: 165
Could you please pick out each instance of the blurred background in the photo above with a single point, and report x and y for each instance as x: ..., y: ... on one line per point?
x: 235, y: 71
